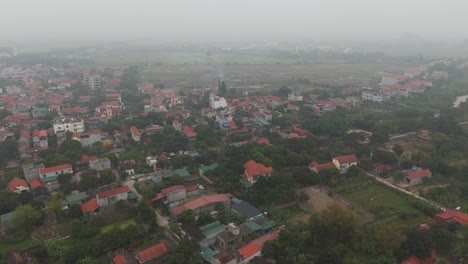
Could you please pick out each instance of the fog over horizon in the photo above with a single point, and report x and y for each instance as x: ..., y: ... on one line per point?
x: 123, y: 20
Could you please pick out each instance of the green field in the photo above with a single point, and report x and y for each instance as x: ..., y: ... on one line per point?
x: 120, y: 225
x: 7, y: 245
x: 386, y: 204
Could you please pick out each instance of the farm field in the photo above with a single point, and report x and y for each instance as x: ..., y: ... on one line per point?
x: 387, y: 205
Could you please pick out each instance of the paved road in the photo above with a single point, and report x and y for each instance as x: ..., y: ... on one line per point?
x: 159, y: 218
x: 404, y: 191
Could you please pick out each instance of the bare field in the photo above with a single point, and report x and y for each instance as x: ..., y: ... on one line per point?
x: 241, y: 75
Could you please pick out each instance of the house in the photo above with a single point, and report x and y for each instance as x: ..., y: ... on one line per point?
x: 233, y: 234
x: 100, y: 164
x: 36, y: 183
x: 295, y: 97
x: 136, y: 135
x: 18, y: 185
x: 253, y: 171
x: 151, y: 130
x: 177, y: 125
x: 112, y: 196
x: 424, y: 134
x: 177, y: 193
x: 343, y: 163
x: 254, y: 248
x: 450, y: 215
x: 375, y: 96
x: 223, y: 258
x: 245, y: 209
x: 202, y: 204
x: 316, y: 167
x: 151, y: 253
x: 39, y: 139
x: 206, y: 235
x: 55, y: 171
x: 114, y: 97
x: 263, y: 141
x: 325, y: 106
x: 151, y: 161
x: 88, y: 138
x: 128, y: 166
x: 415, y: 260
x: 188, y: 131
x: 69, y: 125
x: 392, y: 79
x: 292, y: 107
x: 90, y: 206
x: 120, y: 259
x: 217, y: 102
x: 31, y: 171
x: 379, y: 168
x: 415, y: 177
x: 24, y: 137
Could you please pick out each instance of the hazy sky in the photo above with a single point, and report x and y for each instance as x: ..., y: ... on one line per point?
x: 186, y: 19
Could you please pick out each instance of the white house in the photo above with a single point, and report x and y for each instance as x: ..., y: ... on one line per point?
x: 217, y: 102
x: 343, y: 163
x: 55, y: 171
x: 136, y: 135
x: 375, y: 96
x: 69, y: 125
x: 295, y: 97
x: 112, y: 196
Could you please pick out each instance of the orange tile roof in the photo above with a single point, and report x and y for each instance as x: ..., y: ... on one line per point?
x: 15, y: 182
x: 249, y: 250
x: 419, y: 174
x: 120, y: 259
x: 35, y: 183
x: 253, y: 168
x: 113, y: 192
x: 55, y: 168
x: 90, y: 206
x: 346, y: 159
x: 152, y: 252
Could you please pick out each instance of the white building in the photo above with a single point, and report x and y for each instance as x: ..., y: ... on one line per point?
x: 112, y: 196
x: 100, y: 164
x: 69, y: 125
x: 295, y: 97
x: 55, y: 171
x: 93, y: 82
x: 217, y: 102
x: 375, y: 96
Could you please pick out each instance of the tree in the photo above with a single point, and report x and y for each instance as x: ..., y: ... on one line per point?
x: 26, y: 217
x: 187, y: 252
x: 54, y: 203
x: 55, y: 159
x: 88, y: 181
x: 8, y: 201
x: 188, y: 216
x: 398, y: 149
x: 388, y: 238
x: 64, y: 179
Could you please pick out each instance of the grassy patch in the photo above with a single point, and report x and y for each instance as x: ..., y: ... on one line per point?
x: 7, y: 245
x: 120, y: 225
x: 386, y: 204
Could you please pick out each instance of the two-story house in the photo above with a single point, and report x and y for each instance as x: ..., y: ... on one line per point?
x: 253, y: 171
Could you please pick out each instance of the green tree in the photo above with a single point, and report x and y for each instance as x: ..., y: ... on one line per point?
x: 188, y: 216
x: 26, y: 217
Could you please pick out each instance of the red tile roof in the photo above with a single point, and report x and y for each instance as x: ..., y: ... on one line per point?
x: 172, y: 189
x: 454, y: 215
x: 35, y: 183
x: 113, y: 192
x: 135, y: 131
x: 15, y: 182
x: 152, y: 252
x: 191, y: 188
x: 322, y: 166
x: 55, y: 168
x: 24, y: 134
x: 346, y: 159
x: 249, y: 250
x: 263, y: 141
x: 90, y: 206
x: 202, y: 201
x: 120, y: 259
x: 253, y: 168
x: 419, y: 174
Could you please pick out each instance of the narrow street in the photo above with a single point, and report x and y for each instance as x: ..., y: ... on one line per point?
x: 160, y: 219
